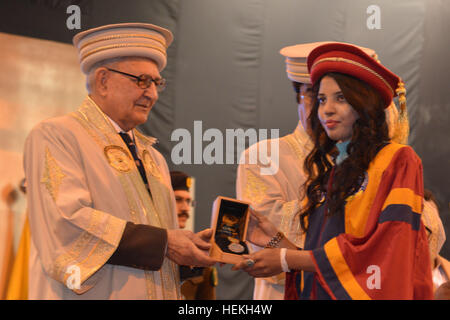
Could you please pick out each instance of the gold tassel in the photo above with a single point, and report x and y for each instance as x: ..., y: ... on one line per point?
x: 401, y: 132
x: 391, y: 118
x: 375, y: 57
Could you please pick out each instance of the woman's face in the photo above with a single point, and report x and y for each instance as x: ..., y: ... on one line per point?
x: 335, y: 114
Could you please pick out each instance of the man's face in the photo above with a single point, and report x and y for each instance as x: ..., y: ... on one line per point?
x: 183, y: 202
x: 126, y: 103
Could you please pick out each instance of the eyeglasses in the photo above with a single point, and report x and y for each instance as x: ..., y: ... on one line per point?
x: 144, y: 81
x: 188, y: 201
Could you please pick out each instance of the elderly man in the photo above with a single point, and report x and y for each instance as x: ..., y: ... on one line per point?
x: 101, y: 207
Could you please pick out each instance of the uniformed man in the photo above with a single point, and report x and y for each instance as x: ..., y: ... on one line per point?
x: 197, y: 283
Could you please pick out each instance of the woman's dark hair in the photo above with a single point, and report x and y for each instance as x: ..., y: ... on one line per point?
x: 370, y: 134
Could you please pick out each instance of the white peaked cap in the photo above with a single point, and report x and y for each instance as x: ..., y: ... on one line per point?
x: 296, y: 55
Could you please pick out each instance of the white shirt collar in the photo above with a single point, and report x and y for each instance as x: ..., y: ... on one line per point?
x: 119, y: 129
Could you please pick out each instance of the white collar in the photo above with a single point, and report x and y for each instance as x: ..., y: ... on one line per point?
x: 119, y: 129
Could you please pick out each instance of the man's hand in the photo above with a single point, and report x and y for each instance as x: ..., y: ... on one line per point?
x: 189, y: 249
x: 205, y: 235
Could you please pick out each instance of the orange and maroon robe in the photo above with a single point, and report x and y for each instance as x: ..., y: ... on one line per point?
x: 378, y: 248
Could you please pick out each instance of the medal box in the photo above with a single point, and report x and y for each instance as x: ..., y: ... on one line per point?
x: 229, y: 222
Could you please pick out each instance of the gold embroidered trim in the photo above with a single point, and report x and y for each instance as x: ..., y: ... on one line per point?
x: 150, y: 283
x: 339, y: 59
x: 300, y: 143
x: 53, y: 175
x: 299, y: 152
x: 171, y: 289
x: 120, y: 36
x: 79, y: 116
x: 302, y: 64
x: 290, y: 223
x: 70, y: 257
x: 121, y: 45
x: 255, y: 189
x: 150, y: 165
x: 298, y: 73
x: 430, y: 218
x: 105, y: 244
x: 286, y: 210
x: 99, y: 238
x: 145, y: 139
x: 143, y: 203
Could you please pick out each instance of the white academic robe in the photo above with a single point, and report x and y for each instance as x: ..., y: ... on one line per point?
x: 276, y: 195
x: 83, y: 186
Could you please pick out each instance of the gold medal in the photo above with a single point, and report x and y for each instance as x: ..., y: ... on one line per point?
x: 235, y: 246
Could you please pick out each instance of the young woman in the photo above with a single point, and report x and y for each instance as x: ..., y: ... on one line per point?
x: 364, y: 193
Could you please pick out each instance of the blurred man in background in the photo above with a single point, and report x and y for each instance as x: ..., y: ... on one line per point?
x: 196, y: 283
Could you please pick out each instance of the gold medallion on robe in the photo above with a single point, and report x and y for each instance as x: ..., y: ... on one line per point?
x: 118, y: 158
x: 150, y: 165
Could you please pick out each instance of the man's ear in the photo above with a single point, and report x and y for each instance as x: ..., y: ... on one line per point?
x: 101, y: 77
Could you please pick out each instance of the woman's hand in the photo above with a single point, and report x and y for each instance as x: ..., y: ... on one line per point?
x: 267, y: 263
x: 260, y: 229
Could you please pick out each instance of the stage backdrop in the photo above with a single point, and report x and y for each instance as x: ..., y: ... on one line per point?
x: 225, y: 72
